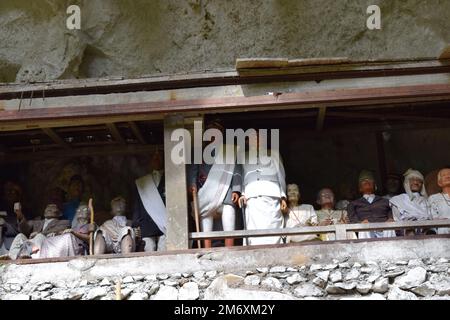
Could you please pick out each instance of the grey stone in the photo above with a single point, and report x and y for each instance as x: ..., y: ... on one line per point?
x: 83, y: 283
x: 15, y: 287
x: 352, y: 275
x: 176, y: 275
x: 105, y: 282
x: 18, y: 296
x: 315, y: 267
x: 45, y: 287
x: 186, y: 274
x: 199, y: 274
x: 262, y: 270
x: 336, y: 276
x: 295, y: 278
x: 344, y: 265
x: 398, y: 294
x: 163, y: 276
x: 272, y: 282
x: 424, y: 290
x: 252, y: 280
x: 61, y: 295
x: 330, y: 266
x: 138, y: 296
x: 277, y: 269
x: 138, y: 278
x: 151, y: 277
x: 438, y: 268
x: 364, y: 287
x: 211, y: 274
x: 373, y: 296
x: 76, y: 294
x: 415, y: 263
x: 347, y: 286
x: 381, y: 285
x: 308, y: 290
x: 323, y: 275
x: 373, y: 277
x: 366, y: 270
x: 442, y: 260
x: 395, y: 273
x: 166, y: 293
x: 357, y: 265
x: 154, y: 287
x: 414, y: 278
x: 333, y: 289
x: 319, y: 282
x: 442, y: 288
x: 96, y: 293
x: 401, y: 263
x: 290, y: 269
x: 189, y: 291
x: 202, y: 284
x: 170, y: 283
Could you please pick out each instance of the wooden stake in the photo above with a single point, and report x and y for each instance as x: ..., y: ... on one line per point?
x: 91, y: 234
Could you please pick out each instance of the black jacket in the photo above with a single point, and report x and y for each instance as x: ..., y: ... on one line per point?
x: 377, y: 211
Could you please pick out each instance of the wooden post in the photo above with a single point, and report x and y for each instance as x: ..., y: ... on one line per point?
x: 176, y: 193
x: 381, y: 160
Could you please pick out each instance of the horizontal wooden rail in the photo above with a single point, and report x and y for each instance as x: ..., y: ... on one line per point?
x: 340, y: 230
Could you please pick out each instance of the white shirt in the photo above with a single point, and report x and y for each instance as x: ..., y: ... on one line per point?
x: 369, y: 197
x: 46, y: 223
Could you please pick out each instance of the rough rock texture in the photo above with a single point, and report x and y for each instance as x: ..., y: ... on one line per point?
x: 131, y: 38
x: 284, y: 282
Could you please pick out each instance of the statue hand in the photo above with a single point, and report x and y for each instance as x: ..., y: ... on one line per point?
x: 192, y: 189
x: 242, y: 201
x: 91, y: 227
x: 345, y: 220
x: 284, y: 206
x: 365, y: 221
x: 137, y: 232
x: 235, y: 197
x: 326, y: 222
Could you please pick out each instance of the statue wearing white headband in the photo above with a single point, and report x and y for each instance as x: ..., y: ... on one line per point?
x: 412, y: 205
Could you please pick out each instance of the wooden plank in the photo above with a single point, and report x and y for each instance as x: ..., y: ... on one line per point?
x: 115, y: 133
x: 10, y: 120
x: 176, y: 192
x: 319, y: 230
x: 321, y: 118
x: 317, y: 61
x: 251, y: 63
x: 56, y: 138
x: 137, y: 132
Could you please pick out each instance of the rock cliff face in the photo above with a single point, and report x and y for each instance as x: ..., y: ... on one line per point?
x: 133, y: 38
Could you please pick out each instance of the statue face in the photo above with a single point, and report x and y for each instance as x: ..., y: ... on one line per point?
x: 392, y: 185
x: 118, y: 207
x: 367, y: 186
x: 444, y: 178
x: 326, y: 196
x: 52, y: 211
x: 415, y: 184
x: 82, y: 213
x: 293, y: 193
x: 156, y: 161
x: 75, y: 189
x: 12, y: 192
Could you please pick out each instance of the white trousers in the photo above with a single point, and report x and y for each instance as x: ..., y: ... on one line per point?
x: 376, y: 234
x: 228, y: 219
x: 263, y: 212
x: 155, y: 243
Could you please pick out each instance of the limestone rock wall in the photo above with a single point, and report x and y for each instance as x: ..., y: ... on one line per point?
x: 132, y: 38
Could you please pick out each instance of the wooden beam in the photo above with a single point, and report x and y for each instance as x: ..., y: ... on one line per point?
x: 176, y: 188
x: 56, y: 138
x: 385, y: 116
x: 137, y: 132
x: 321, y: 118
x: 26, y: 119
x: 352, y: 69
x: 381, y: 157
x: 115, y: 133
x: 77, y: 152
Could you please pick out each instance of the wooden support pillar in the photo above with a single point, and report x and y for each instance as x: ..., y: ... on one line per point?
x: 176, y: 193
x: 381, y: 160
x: 321, y: 118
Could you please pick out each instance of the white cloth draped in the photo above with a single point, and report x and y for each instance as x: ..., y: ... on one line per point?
x: 263, y: 213
x: 151, y: 199
x: 407, y: 208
